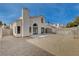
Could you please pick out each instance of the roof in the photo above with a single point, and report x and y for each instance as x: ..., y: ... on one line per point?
x: 19, y: 19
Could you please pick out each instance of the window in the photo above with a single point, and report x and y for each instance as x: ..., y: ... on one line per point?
x: 35, y: 29
x: 18, y: 29
x: 42, y: 30
x: 30, y: 29
x: 41, y: 20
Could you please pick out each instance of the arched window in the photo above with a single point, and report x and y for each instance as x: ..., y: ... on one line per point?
x: 34, y: 24
x: 35, y: 28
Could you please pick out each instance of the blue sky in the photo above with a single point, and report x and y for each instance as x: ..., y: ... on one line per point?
x: 53, y: 13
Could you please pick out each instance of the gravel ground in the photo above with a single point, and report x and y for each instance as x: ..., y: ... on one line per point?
x: 11, y: 46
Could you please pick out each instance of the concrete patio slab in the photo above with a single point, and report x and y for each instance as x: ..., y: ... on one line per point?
x: 11, y: 46
x: 58, y: 45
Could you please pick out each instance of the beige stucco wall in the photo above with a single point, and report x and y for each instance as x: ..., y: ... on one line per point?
x: 18, y: 23
x: 37, y: 20
x: 25, y: 22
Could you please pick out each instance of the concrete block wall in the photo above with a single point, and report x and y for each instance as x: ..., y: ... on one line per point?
x: 0, y: 32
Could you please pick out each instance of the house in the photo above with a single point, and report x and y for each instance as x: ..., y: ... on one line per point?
x: 31, y: 25
x: 28, y: 25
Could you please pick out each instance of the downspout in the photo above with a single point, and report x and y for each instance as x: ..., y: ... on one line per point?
x: 22, y: 23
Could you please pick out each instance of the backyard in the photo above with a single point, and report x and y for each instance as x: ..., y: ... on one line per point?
x: 61, y: 43
x: 11, y: 46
